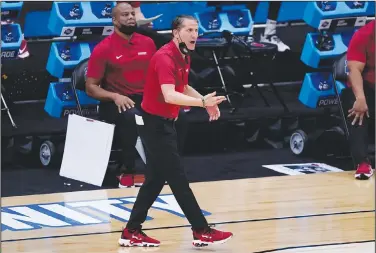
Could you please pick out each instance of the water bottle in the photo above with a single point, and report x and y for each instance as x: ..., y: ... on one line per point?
x: 75, y: 12
x: 107, y: 11
x: 65, y: 54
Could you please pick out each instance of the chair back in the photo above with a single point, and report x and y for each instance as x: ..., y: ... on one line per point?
x: 340, y: 70
x: 79, y: 75
x: 78, y: 81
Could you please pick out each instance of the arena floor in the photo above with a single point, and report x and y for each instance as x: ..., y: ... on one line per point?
x: 320, y: 212
x: 272, y: 200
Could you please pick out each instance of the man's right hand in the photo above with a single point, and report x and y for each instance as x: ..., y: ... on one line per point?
x: 211, y: 99
x: 123, y: 102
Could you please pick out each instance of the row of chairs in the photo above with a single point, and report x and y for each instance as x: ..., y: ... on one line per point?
x: 79, y: 79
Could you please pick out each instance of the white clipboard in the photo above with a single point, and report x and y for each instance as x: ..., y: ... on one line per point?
x: 87, y: 150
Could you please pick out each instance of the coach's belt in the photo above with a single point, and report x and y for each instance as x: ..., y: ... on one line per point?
x: 169, y: 119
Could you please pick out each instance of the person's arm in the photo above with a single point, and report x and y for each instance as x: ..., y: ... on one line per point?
x: 355, y: 76
x: 356, y: 61
x: 94, y: 90
x: 190, y: 91
x: 95, y: 73
x: 173, y: 97
x: 138, y: 13
x: 166, y: 78
x: 137, y: 10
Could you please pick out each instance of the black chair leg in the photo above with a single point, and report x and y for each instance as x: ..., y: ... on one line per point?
x: 343, y: 116
x: 73, y: 86
x: 276, y: 93
x: 262, y: 96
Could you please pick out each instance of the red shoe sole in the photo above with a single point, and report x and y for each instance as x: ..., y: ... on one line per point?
x: 363, y: 176
x: 128, y: 243
x: 199, y: 243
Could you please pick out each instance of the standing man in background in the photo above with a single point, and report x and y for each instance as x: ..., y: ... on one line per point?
x: 359, y: 99
x: 166, y: 89
x: 116, y: 76
x: 270, y: 34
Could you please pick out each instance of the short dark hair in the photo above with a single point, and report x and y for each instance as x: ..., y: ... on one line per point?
x: 177, y: 23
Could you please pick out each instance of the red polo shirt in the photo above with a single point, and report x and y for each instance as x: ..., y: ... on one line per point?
x: 121, y: 64
x: 362, y: 49
x: 167, y: 66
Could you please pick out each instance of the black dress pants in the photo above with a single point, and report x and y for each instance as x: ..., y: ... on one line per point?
x: 125, y: 131
x: 273, y: 11
x: 359, y: 136
x: 163, y: 164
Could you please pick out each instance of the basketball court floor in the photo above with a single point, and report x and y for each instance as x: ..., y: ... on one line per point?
x: 324, y: 212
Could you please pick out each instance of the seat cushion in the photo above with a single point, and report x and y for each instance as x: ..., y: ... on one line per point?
x: 259, y: 47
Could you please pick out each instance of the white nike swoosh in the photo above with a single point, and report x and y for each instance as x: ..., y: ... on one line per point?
x: 21, y: 51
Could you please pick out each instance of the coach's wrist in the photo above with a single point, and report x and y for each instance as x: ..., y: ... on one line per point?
x: 197, y: 102
x: 114, y: 96
x: 361, y: 98
x: 203, y: 103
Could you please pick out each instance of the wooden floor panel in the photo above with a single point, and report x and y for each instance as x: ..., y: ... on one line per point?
x: 362, y: 247
x: 253, y: 236
x: 269, y: 213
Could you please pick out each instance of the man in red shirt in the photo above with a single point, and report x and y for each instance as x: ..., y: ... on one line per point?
x: 116, y: 76
x: 359, y: 99
x: 166, y: 89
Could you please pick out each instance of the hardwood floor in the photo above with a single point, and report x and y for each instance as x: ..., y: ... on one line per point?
x: 328, y: 212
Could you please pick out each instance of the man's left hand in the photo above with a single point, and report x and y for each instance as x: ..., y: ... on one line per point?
x: 213, y: 112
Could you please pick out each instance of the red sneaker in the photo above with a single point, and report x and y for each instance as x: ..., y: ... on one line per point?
x: 209, y: 237
x: 137, y: 238
x: 126, y: 181
x: 23, y: 51
x: 364, y: 171
x: 138, y: 180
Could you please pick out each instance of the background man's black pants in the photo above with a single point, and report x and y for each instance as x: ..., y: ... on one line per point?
x: 126, y: 133
x: 360, y: 136
x: 163, y: 164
